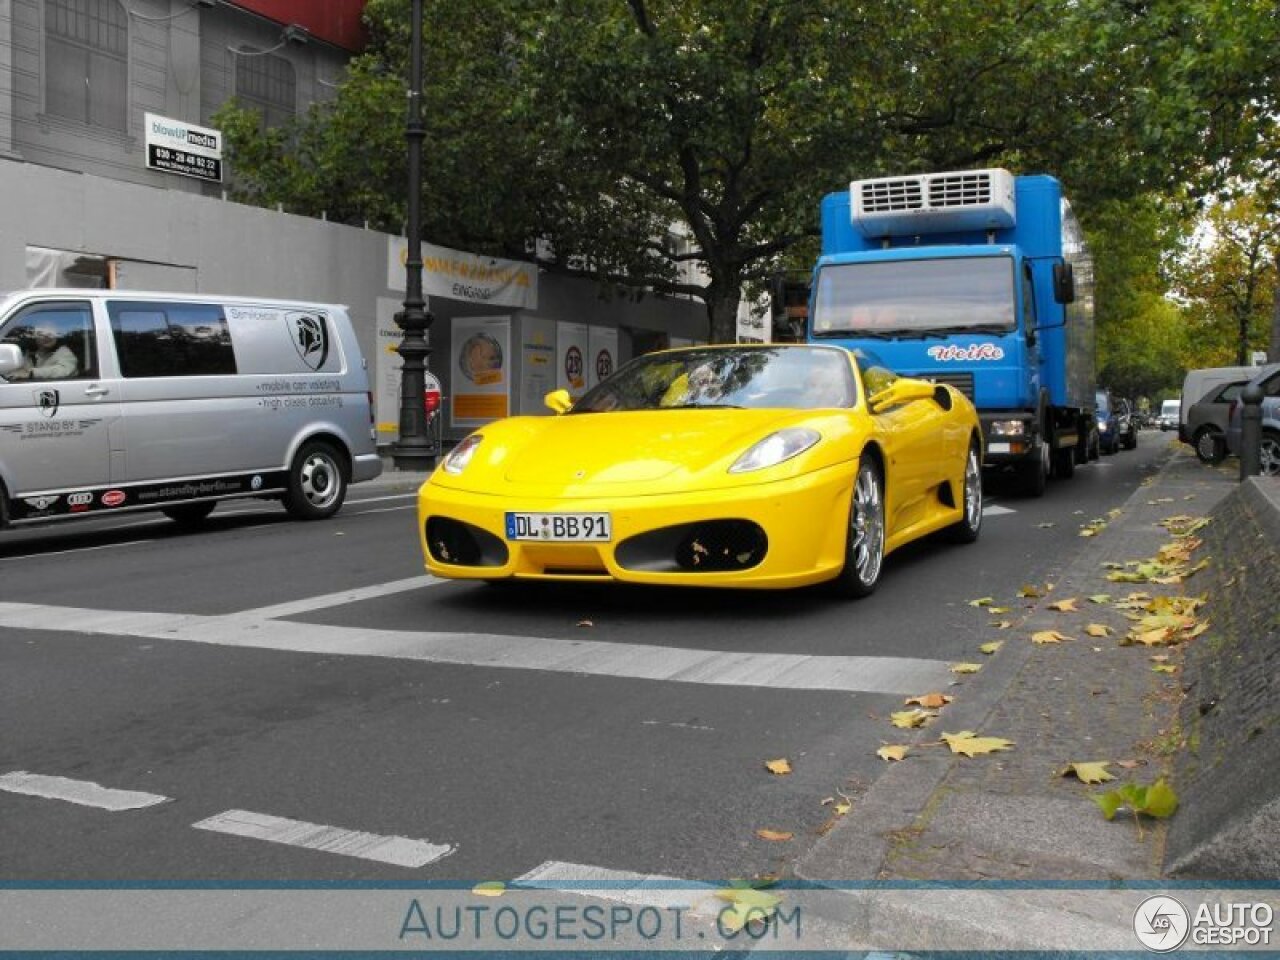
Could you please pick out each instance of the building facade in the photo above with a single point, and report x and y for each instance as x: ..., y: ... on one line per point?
x: 85, y: 83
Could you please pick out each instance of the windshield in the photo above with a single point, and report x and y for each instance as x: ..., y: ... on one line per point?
x: 1103, y: 403
x: 915, y: 297
x: 751, y: 377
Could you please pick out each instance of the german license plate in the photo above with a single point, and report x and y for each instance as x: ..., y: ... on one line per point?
x: 559, y: 527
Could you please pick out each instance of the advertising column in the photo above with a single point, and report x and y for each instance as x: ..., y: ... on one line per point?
x: 481, y: 358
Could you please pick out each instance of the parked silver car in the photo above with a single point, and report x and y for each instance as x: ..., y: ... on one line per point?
x: 1269, y: 381
x: 1206, y: 426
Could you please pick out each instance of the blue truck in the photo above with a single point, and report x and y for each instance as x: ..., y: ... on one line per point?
x: 978, y: 279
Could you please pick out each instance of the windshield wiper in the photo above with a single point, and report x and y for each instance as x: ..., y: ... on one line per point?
x: 703, y: 406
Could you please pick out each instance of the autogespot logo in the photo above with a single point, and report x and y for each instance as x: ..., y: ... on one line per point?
x: 1161, y: 923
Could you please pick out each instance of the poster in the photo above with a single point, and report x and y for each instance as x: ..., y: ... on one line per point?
x: 386, y: 370
x: 455, y: 275
x: 480, y: 362
x: 537, y: 363
x: 602, y: 354
x: 572, y: 343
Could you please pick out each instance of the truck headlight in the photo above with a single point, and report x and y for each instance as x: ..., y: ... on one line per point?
x: 776, y: 448
x: 1008, y: 428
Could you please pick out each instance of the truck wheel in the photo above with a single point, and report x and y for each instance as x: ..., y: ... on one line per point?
x: 1033, y: 475
x: 1210, y: 445
x: 317, y: 482
x: 968, y: 527
x: 864, y: 542
x: 189, y: 514
x: 1095, y: 445
x: 1064, y: 463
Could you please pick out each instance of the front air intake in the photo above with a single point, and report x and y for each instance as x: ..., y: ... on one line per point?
x: 933, y: 203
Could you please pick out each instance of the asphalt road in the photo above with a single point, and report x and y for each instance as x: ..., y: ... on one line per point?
x: 277, y: 669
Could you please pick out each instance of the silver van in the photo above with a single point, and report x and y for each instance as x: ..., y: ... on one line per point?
x: 112, y: 400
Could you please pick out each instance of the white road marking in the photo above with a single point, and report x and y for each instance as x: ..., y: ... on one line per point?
x: 294, y: 607
x: 361, y: 513
x: 621, y: 886
x: 991, y: 510
x: 82, y: 792
x: 58, y: 553
x: 400, y: 851
x: 778, y: 671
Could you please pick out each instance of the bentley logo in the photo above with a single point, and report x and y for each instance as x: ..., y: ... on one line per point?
x: 48, y: 402
x: 310, y: 338
x: 40, y: 503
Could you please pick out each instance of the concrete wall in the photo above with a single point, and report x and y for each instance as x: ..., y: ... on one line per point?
x: 1228, y: 822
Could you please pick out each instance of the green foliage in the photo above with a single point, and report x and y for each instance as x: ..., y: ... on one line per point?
x: 593, y: 125
x: 1157, y: 800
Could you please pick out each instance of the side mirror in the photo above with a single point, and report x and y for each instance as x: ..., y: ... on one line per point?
x: 11, y: 358
x: 901, y: 391
x: 558, y: 401
x: 1064, y: 283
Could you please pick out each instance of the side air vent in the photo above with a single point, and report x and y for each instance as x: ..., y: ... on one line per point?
x: 933, y: 203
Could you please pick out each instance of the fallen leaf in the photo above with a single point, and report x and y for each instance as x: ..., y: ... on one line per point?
x: 908, y: 719
x: 1045, y: 526
x: 1092, y: 772
x: 1098, y: 630
x: 774, y: 835
x: 963, y: 668
x: 1003, y: 624
x: 892, y: 752
x: 991, y: 647
x: 1029, y: 591
x: 585, y: 623
x: 747, y: 905
x: 780, y: 766
x: 1048, y: 636
x: 1164, y: 668
x: 930, y: 701
x: 489, y: 888
x: 1131, y: 764
x: 996, y: 611
x: 982, y: 602
x: 1064, y: 606
x: 1100, y: 598
x: 971, y: 745
x: 842, y: 808
x: 1089, y: 532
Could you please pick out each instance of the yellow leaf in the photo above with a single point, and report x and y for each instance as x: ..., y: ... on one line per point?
x: 970, y: 744
x: 1195, y: 631
x: 747, y: 905
x: 965, y: 667
x: 1164, y: 668
x: 1064, y: 606
x: 1048, y: 636
x: 1088, y: 532
x: 780, y: 766
x: 1098, y: 630
x: 982, y: 602
x: 892, y: 752
x: 1029, y: 591
x: 1153, y: 638
x: 906, y: 719
x: 996, y: 611
x: 1003, y: 624
x: 930, y: 701
x: 490, y: 888
x: 1100, y: 598
x: 842, y: 808
x: 774, y: 835
x: 992, y: 647
x: 1094, y: 772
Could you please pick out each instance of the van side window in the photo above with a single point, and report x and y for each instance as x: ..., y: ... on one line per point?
x: 171, y: 339
x: 57, y: 341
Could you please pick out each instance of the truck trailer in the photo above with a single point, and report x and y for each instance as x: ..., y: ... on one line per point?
x: 979, y: 279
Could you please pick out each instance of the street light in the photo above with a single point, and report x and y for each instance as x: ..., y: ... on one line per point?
x: 414, y: 450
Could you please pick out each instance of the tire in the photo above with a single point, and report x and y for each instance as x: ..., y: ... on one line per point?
x: 1269, y: 454
x: 1095, y: 445
x: 317, y: 482
x: 966, y: 530
x: 1064, y: 463
x: 864, y: 538
x: 1033, y: 475
x: 1210, y: 445
x: 189, y: 514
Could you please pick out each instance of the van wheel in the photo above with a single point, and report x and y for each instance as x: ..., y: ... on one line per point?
x: 864, y: 542
x: 189, y: 514
x: 317, y: 482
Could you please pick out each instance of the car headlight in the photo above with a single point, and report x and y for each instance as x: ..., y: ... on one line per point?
x: 1103, y: 425
x: 461, y: 455
x: 1008, y: 428
x: 775, y: 449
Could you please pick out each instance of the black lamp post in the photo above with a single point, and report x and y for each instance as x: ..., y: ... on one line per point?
x: 414, y: 450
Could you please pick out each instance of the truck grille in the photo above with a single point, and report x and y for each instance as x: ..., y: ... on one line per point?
x: 960, y: 189
x: 879, y: 196
x: 961, y: 381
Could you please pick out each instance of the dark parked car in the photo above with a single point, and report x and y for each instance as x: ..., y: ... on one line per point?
x: 1108, y: 425
x: 1206, y: 426
x: 1269, y: 380
x: 1126, y: 424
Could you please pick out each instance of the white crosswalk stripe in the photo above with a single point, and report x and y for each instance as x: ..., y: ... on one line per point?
x: 83, y: 792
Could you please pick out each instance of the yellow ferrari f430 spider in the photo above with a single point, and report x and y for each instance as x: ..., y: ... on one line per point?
x: 758, y: 466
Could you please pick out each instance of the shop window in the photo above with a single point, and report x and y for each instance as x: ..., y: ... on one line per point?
x: 86, y: 61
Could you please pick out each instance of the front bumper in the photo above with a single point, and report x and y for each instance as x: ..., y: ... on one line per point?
x: 804, y: 521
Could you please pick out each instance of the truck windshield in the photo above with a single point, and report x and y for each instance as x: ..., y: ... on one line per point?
x: 915, y: 297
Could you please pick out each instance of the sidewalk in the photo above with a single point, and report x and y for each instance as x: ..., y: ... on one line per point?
x: 1012, y: 815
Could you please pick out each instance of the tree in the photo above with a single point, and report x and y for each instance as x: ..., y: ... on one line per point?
x: 594, y: 125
